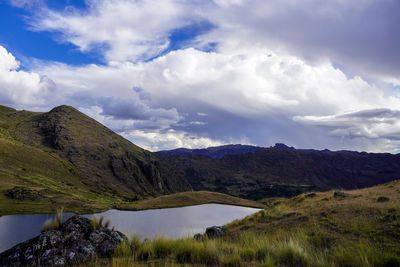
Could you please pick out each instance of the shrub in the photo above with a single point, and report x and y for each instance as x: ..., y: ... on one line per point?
x: 382, y: 199
x: 146, y: 251
x: 98, y: 222
x: 48, y: 225
x: 191, y: 251
x: 232, y: 260
x: 134, y: 243
x: 123, y: 250
x: 350, y: 255
x: 183, y: 251
x: 389, y: 260
x: 292, y: 254
x: 267, y: 262
x: 248, y: 254
x: 94, y: 223
x: 162, y: 247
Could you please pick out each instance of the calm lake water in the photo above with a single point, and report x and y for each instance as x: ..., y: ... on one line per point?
x: 174, y: 222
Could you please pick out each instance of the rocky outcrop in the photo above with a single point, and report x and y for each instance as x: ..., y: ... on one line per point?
x: 74, y: 242
x: 22, y: 193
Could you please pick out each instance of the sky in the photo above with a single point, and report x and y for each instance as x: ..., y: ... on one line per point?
x: 178, y: 73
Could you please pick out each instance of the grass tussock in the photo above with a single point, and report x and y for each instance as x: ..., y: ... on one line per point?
x: 98, y: 222
x: 53, y: 223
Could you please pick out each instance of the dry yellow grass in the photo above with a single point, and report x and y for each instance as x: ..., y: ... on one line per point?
x: 370, y: 214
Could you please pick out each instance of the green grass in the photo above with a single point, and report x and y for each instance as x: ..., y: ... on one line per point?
x: 249, y: 249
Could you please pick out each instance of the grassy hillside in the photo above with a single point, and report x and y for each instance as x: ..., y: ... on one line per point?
x: 65, y: 158
x: 282, y: 171
x: 346, y: 228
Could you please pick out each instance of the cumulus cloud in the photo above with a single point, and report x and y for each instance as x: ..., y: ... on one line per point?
x: 20, y: 88
x: 156, y: 141
x: 250, y: 96
x: 124, y: 30
x: 314, y: 74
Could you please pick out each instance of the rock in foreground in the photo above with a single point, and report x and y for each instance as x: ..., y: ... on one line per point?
x: 75, y: 241
x: 215, y: 231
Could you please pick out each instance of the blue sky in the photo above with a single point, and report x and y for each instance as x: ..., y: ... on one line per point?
x: 180, y: 73
x: 18, y: 39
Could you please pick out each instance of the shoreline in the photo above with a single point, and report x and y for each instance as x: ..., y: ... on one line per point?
x: 177, y: 200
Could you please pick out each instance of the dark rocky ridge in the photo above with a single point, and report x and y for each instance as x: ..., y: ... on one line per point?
x: 213, y: 152
x: 283, y: 171
x: 74, y: 242
x: 105, y: 160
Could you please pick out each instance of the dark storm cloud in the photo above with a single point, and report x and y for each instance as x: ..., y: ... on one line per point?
x: 363, y: 34
x: 372, y: 124
x: 381, y: 113
x: 133, y: 109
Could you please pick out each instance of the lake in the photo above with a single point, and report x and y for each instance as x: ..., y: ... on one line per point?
x: 173, y: 222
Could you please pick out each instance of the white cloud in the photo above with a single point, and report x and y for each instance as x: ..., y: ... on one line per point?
x: 156, y: 141
x: 124, y: 30
x: 257, y: 82
x: 236, y: 88
x: 21, y: 88
x: 25, y: 3
x: 270, y: 78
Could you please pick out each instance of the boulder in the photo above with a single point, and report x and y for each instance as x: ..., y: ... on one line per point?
x: 311, y: 195
x: 74, y: 242
x: 338, y: 193
x: 215, y: 231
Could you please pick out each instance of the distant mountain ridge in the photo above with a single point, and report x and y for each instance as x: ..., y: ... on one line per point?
x: 213, y: 152
x: 285, y: 171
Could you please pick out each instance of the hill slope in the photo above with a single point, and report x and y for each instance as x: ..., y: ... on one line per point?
x: 67, y: 156
x: 283, y: 171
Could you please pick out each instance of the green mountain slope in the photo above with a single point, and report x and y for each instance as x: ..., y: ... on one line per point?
x: 67, y: 157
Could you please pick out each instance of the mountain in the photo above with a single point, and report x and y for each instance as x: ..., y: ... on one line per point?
x: 64, y: 154
x: 283, y: 171
x: 213, y: 152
